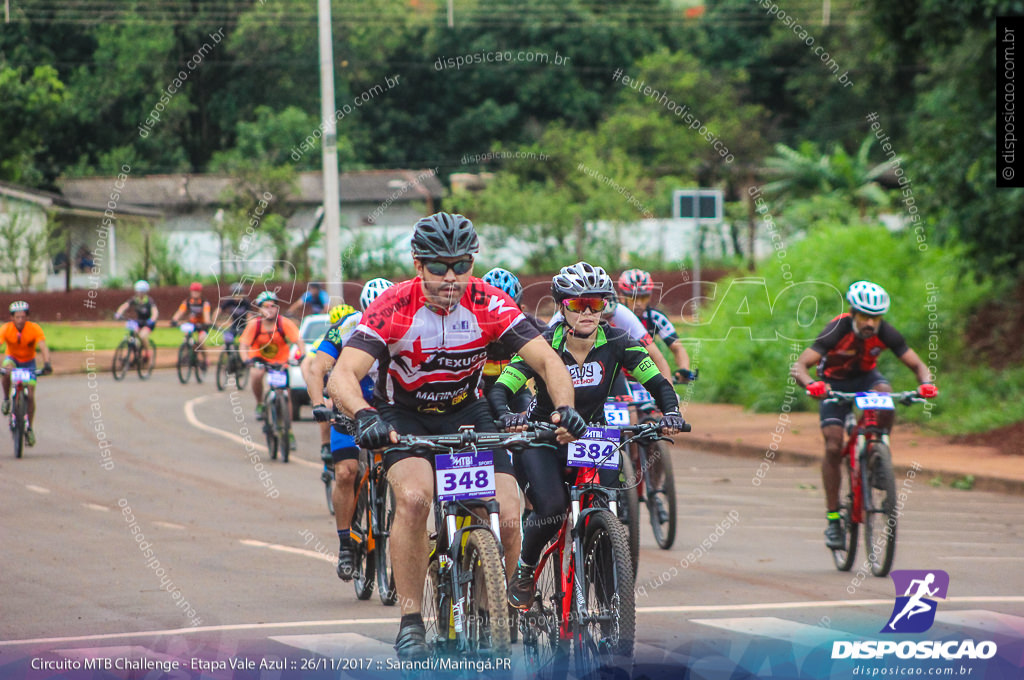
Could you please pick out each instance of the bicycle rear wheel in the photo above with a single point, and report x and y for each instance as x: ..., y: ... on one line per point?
x: 223, y: 372
x: 121, y: 357
x: 660, y: 491
x: 879, y: 509
x: 240, y: 370
x: 436, y: 609
x: 486, y: 614
x: 362, y: 578
x: 605, y: 631
x: 382, y: 549
x: 19, y: 408
x: 284, y: 422
x: 184, y: 363
x: 546, y: 654
x: 629, y: 510
x: 198, y: 366
x: 270, y: 423
x: 145, y: 368
x: 844, y: 558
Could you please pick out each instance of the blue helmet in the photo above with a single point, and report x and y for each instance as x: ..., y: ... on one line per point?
x: 506, y: 281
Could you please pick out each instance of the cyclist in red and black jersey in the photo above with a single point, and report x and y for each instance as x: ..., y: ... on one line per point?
x: 846, y: 354
x: 197, y: 308
x: 635, y: 288
x: 430, y: 336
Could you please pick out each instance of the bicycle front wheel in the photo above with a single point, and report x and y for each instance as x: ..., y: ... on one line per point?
x: 879, y: 509
x: 270, y: 424
x: 436, y: 609
x: 384, y: 520
x: 145, y: 368
x: 362, y: 579
x: 241, y: 372
x: 198, y: 366
x: 486, y: 614
x: 844, y: 557
x: 605, y: 630
x: 19, y: 409
x: 223, y: 369
x: 546, y: 653
x: 184, y: 363
x: 327, y: 477
x: 121, y: 357
x: 284, y: 425
x: 660, y: 492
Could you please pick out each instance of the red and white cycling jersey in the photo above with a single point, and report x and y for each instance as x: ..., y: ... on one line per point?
x: 433, y: 362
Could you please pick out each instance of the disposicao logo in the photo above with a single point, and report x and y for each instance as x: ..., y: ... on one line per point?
x: 914, y: 611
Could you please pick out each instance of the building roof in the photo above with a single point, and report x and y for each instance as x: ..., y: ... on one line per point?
x: 180, y: 192
x: 74, y: 206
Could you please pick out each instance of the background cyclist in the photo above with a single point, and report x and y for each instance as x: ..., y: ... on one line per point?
x: 430, y: 336
x: 238, y: 309
x: 635, y: 289
x: 266, y: 337
x: 313, y: 301
x: 145, y: 311
x: 342, y: 451
x: 846, y: 354
x: 593, y: 353
x: 198, y: 310
x: 498, y: 354
x: 22, y: 339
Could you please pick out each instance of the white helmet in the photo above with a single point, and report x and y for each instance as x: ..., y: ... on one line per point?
x: 371, y: 290
x: 141, y: 286
x: 868, y: 298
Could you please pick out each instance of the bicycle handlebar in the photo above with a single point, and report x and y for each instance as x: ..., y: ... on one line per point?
x: 468, y: 437
x: 905, y: 398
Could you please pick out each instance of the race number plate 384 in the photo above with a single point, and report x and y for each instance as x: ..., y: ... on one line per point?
x: 874, y: 400
x: 599, y: 447
x: 461, y: 476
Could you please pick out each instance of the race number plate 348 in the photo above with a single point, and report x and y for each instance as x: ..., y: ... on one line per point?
x: 874, y: 400
x: 599, y: 447
x: 461, y: 476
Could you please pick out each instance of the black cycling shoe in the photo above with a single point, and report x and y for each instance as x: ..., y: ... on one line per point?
x: 411, y: 643
x: 520, y: 588
x: 835, y: 537
x: 346, y: 563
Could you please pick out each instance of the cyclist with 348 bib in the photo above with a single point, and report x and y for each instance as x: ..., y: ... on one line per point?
x: 430, y: 337
x: 846, y: 354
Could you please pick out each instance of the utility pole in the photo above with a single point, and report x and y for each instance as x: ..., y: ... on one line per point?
x: 333, y: 269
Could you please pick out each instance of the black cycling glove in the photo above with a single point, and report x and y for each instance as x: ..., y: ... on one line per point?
x: 674, y: 421
x: 571, y: 420
x: 321, y: 413
x: 510, y: 420
x: 372, y: 431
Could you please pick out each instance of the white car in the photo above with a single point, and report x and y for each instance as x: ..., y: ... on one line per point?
x: 312, y: 328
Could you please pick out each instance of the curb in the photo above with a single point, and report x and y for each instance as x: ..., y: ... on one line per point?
x: 981, y: 483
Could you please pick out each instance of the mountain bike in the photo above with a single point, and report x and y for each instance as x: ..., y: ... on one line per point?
x: 371, y: 529
x: 867, y: 492
x: 584, y: 596
x: 21, y: 378
x: 189, y: 362
x: 277, y: 413
x: 464, y: 602
x: 231, y: 365
x: 130, y: 353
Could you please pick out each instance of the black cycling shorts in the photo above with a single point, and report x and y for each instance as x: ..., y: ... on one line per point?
x: 835, y: 414
x: 477, y: 413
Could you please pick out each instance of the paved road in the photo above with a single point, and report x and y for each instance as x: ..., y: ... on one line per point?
x: 233, y: 566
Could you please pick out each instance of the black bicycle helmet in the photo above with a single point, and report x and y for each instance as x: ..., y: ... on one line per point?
x: 444, y: 235
x: 580, y: 279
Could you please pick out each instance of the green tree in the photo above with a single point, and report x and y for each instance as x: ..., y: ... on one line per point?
x: 28, y: 110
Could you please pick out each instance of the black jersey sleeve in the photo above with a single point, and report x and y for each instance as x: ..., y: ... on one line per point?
x: 892, y: 338
x: 832, y: 334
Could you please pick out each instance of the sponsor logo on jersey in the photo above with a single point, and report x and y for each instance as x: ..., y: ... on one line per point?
x: 589, y: 374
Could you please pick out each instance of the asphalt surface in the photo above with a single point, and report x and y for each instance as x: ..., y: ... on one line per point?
x: 235, y: 563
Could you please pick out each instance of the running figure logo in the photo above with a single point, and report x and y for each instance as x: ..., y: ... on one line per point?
x: 913, y: 611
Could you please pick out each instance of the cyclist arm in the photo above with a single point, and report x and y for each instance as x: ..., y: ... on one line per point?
x: 44, y: 350
x: 181, y: 311
x: 155, y: 315
x: 682, y: 358
x: 343, y: 386
x: 914, y: 363
x: 512, y: 379
x: 216, y: 315
x: 206, y: 313
x: 659, y: 361
x: 291, y: 333
x: 122, y: 309
x: 320, y: 364
x: 640, y: 364
x: 800, y: 371
x: 539, y: 356
x: 245, y: 341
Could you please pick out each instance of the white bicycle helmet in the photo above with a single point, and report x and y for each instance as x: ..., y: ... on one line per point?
x: 18, y: 306
x: 580, y: 279
x: 371, y: 289
x: 142, y: 286
x: 868, y: 298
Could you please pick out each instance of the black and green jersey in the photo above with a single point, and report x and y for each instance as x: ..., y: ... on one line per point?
x: 613, y: 349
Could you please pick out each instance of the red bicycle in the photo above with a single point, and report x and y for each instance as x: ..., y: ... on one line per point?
x: 867, y: 492
x: 584, y: 588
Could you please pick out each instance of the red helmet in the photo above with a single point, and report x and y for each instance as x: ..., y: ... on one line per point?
x: 196, y: 286
x: 635, y: 282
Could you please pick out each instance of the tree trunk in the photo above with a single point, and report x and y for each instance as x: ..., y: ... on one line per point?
x: 580, y: 233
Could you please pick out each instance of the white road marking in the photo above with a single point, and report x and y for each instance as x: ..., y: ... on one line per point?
x: 37, y: 489
x: 94, y: 506
x: 779, y: 629
x: 168, y: 525
x: 364, y: 622
x: 989, y: 622
x: 190, y: 416
x: 287, y: 549
x: 981, y: 557
x: 338, y: 645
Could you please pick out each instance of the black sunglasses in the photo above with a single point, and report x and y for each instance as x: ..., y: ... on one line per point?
x: 439, y: 268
